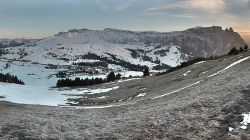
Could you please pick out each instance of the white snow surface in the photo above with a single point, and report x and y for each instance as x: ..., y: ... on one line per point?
x: 185, y: 74
x: 230, y: 129
x: 141, y: 95
x: 201, y: 62
x: 131, y: 73
x: 173, y: 56
x: 246, y: 121
x: 27, y: 94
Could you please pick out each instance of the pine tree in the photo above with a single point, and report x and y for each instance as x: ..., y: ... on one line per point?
x: 111, y: 77
x: 246, y: 47
x: 241, y: 49
x: 118, y: 76
x: 146, y: 72
x: 233, y: 51
x: 7, y: 78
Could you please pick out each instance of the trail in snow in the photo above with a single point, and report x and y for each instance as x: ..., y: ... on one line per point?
x: 109, y: 106
x: 175, y: 91
x: 185, y: 74
x: 233, y: 64
x: 98, y: 107
x: 201, y: 62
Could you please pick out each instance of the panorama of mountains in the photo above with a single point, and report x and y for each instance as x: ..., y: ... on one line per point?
x: 116, y: 84
x: 143, y: 48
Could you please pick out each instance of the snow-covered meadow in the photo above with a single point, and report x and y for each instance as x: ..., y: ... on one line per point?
x: 42, y: 95
x: 39, y: 83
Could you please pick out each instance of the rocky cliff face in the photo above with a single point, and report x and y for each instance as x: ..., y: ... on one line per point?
x: 211, y: 41
x: 196, y: 42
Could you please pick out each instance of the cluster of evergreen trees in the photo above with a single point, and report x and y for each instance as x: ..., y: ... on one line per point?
x: 112, y: 77
x: 161, y: 67
x: 87, y: 82
x: 134, y: 53
x: 115, y: 61
x: 146, y: 72
x: 7, y: 78
x: 79, y: 82
x: 235, y: 51
x: 92, y: 64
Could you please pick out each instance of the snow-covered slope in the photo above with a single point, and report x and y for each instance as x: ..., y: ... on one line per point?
x: 120, y: 50
x: 139, y: 48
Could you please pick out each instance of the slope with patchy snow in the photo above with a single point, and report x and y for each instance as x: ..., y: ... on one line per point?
x: 38, y: 64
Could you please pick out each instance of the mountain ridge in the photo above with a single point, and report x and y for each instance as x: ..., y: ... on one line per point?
x: 147, y: 47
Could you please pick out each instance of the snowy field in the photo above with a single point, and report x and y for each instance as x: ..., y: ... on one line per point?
x: 30, y: 64
x: 39, y: 82
x: 27, y: 94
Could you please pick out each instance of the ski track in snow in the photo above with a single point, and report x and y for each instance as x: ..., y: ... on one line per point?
x: 177, y: 90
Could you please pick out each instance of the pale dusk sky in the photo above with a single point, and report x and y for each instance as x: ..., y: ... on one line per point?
x: 43, y: 18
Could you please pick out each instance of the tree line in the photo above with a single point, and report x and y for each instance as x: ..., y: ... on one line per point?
x: 7, y: 78
x: 235, y: 51
x: 87, y: 82
x: 92, y: 64
x: 115, y: 61
x: 94, y: 81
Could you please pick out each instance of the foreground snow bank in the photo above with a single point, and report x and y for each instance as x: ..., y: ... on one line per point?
x: 41, y: 95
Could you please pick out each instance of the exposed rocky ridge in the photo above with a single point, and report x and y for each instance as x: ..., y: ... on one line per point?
x: 197, y: 42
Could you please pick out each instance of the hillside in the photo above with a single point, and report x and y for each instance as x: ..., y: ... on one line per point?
x: 139, y: 48
x: 201, y: 101
x: 94, y: 53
